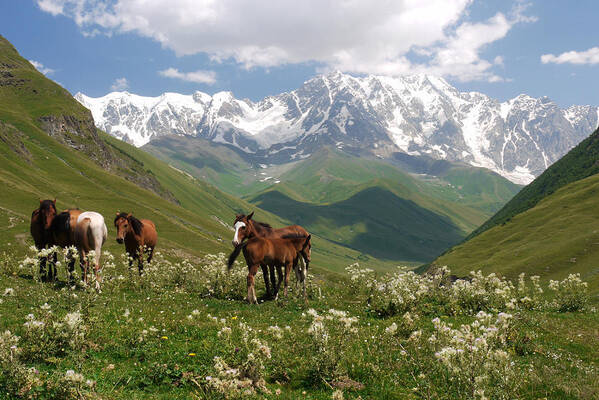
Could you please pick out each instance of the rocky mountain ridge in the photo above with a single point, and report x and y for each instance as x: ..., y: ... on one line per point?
x: 413, y: 114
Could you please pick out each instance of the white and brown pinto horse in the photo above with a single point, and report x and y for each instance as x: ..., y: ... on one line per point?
x: 139, y: 236
x: 246, y: 228
x: 90, y: 234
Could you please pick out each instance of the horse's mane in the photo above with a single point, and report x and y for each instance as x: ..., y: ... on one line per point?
x: 260, y: 226
x: 62, y: 222
x: 135, y: 223
x: 263, y: 225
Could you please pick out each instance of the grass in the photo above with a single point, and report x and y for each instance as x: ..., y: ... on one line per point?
x: 555, y: 354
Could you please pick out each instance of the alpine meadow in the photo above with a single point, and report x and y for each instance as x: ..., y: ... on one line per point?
x: 355, y: 222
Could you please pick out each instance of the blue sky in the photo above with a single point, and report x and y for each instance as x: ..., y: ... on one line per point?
x: 258, y: 48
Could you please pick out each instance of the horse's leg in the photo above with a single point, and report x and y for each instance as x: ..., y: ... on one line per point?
x: 97, y: 262
x: 52, y: 268
x: 288, y: 266
x: 266, y: 280
x: 252, y: 270
x: 279, y: 281
x: 83, y: 264
x: 140, y: 260
x: 43, y: 261
x: 273, y: 281
x: 297, y: 270
x: 150, y: 254
x: 71, y: 267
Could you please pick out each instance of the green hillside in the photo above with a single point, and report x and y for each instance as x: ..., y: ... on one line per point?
x: 50, y: 148
x: 558, y: 236
x: 365, y: 203
x: 580, y: 162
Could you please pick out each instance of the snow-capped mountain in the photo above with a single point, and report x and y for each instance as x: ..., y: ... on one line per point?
x: 414, y: 114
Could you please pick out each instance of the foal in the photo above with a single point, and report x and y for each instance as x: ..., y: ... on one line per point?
x: 246, y: 228
x: 139, y: 236
x: 273, y: 253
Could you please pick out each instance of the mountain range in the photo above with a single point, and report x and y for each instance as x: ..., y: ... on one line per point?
x: 417, y: 115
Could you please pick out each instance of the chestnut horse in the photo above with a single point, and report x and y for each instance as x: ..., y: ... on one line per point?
x: 48, y: 229
x: 246, y: 228
x: 90, y: 234
x: 139, y: 236
x: 273, y: 253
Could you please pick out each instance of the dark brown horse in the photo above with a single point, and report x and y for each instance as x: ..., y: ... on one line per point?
x: 48, y: 229
x: 41, y: 231
x: 246, y: 228
x: 139, y: 236
x: 283, y: 252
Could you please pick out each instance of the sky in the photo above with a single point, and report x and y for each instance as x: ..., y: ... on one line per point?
x: 256, y: 48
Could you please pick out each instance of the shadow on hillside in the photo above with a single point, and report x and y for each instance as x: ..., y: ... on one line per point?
x: 386, y: 226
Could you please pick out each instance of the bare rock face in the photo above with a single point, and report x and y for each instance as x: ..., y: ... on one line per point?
x: 81, y: 134
x: 419, y: 115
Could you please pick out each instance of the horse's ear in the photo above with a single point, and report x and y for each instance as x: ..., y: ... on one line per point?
x: 250, y: 216
x: 129, y: 215
x: 54, y: 201
x: 41, y: 202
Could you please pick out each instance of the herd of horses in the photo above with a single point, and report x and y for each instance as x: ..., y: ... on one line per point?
x: 279, y: 250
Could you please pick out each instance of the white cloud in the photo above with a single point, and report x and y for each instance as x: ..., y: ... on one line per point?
x: 119, y: 84
x: 41, y: 68
x: 350, y: 35
x: 590, y: 56
x: 199, y: 76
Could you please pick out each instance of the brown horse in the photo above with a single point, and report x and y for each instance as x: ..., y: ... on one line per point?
x: 41, y: 231
x: 48, y: 229
x: 138, y: 236
x: 273, y: 253
x: 247, y: 228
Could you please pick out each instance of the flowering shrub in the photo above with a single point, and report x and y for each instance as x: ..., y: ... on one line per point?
x: 360, y: 278
x: 50, y: 335
x: 247, y: 354
x: 405, y: 291
x: 16, y: 380
x: 476, y: 356
x: 571, y: 294
x: 330, y: 334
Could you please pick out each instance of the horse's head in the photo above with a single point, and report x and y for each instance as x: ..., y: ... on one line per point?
x: 47, y: 212
x: 307, y: 249
x: 122, y: 225
x: 244, y: 228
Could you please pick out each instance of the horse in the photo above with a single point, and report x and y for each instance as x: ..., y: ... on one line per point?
x: 273, y: 253
x: 246, y: 227
x: 41, y: 231
x: 139, y: 236
x: 90, y: 234
x: 63, y: 235
x: 49, y: 229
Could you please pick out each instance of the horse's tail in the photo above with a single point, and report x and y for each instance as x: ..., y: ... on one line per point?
x: 233, y: 256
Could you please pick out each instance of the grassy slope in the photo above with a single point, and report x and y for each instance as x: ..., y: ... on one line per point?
x: 373, y: 206
x: 34, y: 165
x: 581, y: 162
x: 558, y: 236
